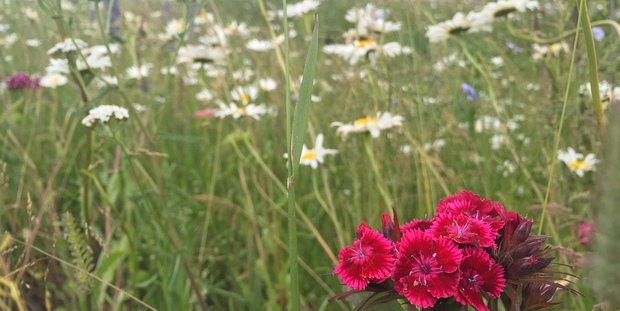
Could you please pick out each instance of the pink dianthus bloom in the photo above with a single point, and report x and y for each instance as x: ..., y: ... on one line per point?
x: 479, y: 273
x: 426, y: 268
x: 470, y: 204
x: 463, y: 230
x: 370, y: 259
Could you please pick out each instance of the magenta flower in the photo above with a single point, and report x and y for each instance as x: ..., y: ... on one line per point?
x: 586, y: 232
x: 370, y: 259
x: 416, y: 224
x: 470, y: 204
x: 19, y: 80
x: 463, y: 230
x: 479, y: 273
x: 426, y: 269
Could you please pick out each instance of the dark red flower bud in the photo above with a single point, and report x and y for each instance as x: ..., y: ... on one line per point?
x: 529, y: 247
x: 526, y: 266
x: 537, y: 296
x: 521, y: 232
x: 390, y: 228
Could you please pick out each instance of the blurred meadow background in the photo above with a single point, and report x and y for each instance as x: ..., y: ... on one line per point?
x: 173, y: 196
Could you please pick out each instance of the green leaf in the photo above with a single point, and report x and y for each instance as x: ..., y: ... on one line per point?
x: 302, y: 109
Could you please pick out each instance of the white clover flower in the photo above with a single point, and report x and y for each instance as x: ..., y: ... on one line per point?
x: 104, y: 113
x: 576, y: 161
x: 312, y: 157
x: 67, y: 46
x: 382, y: 121
x: 52, y: 80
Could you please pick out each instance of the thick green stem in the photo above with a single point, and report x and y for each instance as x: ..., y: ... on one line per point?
x: 593, y: 68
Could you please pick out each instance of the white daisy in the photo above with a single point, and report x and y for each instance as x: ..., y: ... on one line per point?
x: 312, y: 157
x: 382, y: 121
x: 200, y: 54
x: 371, y: 20
x: 545, y: 51
x: 251, y: 110
x: 244, y: 95
x: 297, y: 9
x: 267, y: 84
x: 104, y: 113
x: 505, y: 7
x: 260, y: 45
x: 33, y: 42
x: 576, y: 161
x: 135, y: 72
x: 52, y: 80
x: 67, y: 45
x: 204, y: 95
x: 460, y: 23
x: 58, y: 65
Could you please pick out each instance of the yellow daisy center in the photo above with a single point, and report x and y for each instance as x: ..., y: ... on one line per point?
x: 554, y: 48
x: 55, y: 79
x: 240, y: 111
x: 244, y: 98
x: 309, y: 155
x: 364, y: 121
x: 577, y: 164
x: 178, y: 27
x: 364, y: 43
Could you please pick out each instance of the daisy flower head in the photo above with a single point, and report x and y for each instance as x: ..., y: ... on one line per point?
x: 250, y: 110
x: 372, y: 125
x: 139, y: 72
x: 174, y: 28
x: 201, y: 54
x: 244, y: 94
x: 104, y: 113
x: 426, y: 268
x: 479, y: 273
x: 370, y: 259
x: 260, y: 45
x: 371, y: 20
x: 460, y: 23
x: 267, y: 84
x: 297, y: 9
x: 547, y: 51
x: 52, y: 80
x: 505, y: 7
x: 67, y: 46
x: 312, y: 157
x: 576, y: 162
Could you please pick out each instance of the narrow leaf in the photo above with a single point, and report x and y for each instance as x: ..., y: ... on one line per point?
x: 302, y: 109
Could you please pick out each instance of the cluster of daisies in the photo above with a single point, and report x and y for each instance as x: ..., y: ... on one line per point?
x: 477, y: 21
x: 473, y: 253
x: 364, y: 39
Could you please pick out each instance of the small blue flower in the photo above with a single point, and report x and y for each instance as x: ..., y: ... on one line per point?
x: 598, y: 33
x: 514, y: 48
x: 469, y: 91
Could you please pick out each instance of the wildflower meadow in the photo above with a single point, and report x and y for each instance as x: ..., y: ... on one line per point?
x: 309, y: 155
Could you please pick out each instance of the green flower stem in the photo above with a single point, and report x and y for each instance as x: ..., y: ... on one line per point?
x: 535, y: 39
x: 558, y: 136
x: 593, y: 68
x: 375, y: 169
x: 331, y: 213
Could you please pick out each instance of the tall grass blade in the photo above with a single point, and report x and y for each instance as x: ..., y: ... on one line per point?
x: 606, y: 270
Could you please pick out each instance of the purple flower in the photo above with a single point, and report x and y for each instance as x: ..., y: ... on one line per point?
x: 19, y: 81
x: 598, y: 33
x: 115, y: 14
x: 514, y: 47
x: 469, y: 91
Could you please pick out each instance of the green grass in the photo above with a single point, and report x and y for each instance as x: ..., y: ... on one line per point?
x: 186, y: 214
